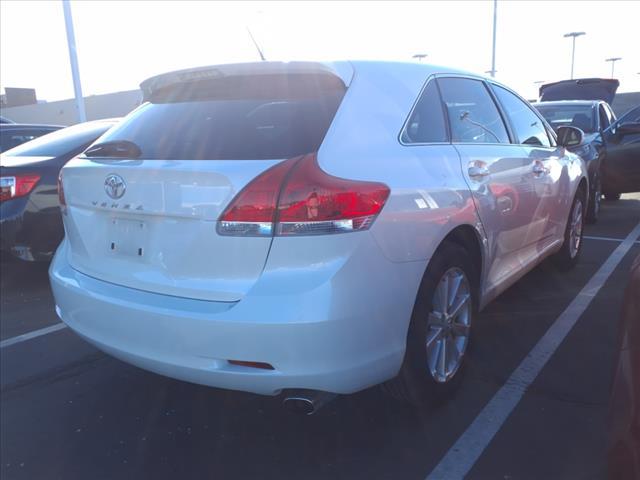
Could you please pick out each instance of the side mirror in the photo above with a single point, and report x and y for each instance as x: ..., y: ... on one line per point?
x: 569, y: 136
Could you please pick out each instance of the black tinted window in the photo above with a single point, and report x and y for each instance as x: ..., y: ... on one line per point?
x: 252, y: 118
x: 473, y: 116
x: 11, y: 138
x: 426, y: 124
x: 61, y: 141
x: 528, y: 127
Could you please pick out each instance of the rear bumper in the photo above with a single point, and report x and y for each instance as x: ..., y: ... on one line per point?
x: 317, y: 339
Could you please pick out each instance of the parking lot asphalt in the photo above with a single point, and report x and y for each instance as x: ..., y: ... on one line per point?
x: 68, y: 411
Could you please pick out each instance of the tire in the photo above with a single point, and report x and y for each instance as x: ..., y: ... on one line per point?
x: 416, y: 383
x: 569, y: 254
x: 593, y: 210
x: 612, y: 197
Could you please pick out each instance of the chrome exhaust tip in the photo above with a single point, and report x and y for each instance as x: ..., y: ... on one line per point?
x: 306, y: 402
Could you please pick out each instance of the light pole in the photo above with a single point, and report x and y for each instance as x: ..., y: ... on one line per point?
x: 537, y: 83
x: 73, y: 58
x: 613, y: 61
x: 492, y: 72
x: 420, y: 56
x: 573, y: 48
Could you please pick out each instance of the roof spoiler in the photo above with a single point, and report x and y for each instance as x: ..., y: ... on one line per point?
x: 342, y: 70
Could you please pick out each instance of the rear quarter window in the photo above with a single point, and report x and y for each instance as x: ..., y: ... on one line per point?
x: 426, y: 123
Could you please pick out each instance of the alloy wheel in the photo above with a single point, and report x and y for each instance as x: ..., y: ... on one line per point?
x: 575, y: 229
x: 448, y: 324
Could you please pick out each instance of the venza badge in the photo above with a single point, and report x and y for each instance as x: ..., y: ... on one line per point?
x: 114, y: 186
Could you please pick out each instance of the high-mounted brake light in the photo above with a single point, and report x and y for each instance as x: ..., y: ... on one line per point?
x: 296, y: 197
x: 17, y: 186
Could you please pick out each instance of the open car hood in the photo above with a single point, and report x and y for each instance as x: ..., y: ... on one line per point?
x: 580, y: 89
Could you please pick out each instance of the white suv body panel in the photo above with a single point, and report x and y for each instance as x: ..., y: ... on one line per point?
x: 329, y: 312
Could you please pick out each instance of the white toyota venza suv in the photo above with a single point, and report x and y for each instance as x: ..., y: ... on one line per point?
x: 312, y: 228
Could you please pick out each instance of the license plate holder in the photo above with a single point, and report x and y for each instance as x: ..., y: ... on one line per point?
x: 127, y: 237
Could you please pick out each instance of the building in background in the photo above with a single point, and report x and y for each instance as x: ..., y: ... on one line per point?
x: 118, y: 104
x: 63, y: 112
x: 15, y: 97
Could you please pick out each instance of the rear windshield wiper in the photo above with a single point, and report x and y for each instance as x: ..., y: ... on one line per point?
x: 115, y: 148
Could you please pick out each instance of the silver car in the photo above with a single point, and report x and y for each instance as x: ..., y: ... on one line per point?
x: 312, y: 228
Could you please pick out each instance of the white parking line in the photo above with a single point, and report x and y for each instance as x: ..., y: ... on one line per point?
x: 28, y: 336
x: 461, y: 457
x: 609, y: 239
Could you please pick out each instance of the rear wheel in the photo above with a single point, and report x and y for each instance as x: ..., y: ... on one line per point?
x: 612, y: 197
x: 439, y: 330
x: 569, y: 254
x: 593, y: 210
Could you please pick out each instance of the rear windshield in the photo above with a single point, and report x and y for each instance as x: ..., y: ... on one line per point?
x: 251, y: 118
x: 61, y: 141
x: 580, y: 116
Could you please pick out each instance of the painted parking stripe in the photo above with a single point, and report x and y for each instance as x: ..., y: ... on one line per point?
x: 609, y: 239
x: 461, y: 457
x: 28, y: 336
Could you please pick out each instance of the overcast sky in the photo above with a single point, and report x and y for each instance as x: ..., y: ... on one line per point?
x: 122, y: 43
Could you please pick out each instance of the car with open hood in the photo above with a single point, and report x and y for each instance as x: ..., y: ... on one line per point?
x: 609, y: 151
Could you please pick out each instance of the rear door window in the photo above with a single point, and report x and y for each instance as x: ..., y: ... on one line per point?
x: 529, y: 128
x: 247, y: 118
x: 473, y: 115
x: 61, y: 141
x: 12, y: 138
x: 427, y: 123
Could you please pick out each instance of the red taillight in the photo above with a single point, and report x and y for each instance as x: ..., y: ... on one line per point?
x: 251, y: 212
x: 297, y: 197
x: 17, y: 186
x: 61, y: 199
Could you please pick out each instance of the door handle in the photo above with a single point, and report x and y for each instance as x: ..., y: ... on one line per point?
x: 539, y: 169
x: 476, y: 170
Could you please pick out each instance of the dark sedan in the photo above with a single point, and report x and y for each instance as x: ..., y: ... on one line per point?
x: 30, y: 222
x: 610, y: 148
x: 14, y: 134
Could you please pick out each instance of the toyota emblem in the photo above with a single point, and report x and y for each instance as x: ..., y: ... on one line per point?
x: 114, y: 186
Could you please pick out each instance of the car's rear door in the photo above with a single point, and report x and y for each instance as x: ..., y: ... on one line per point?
x: 497, y: 172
